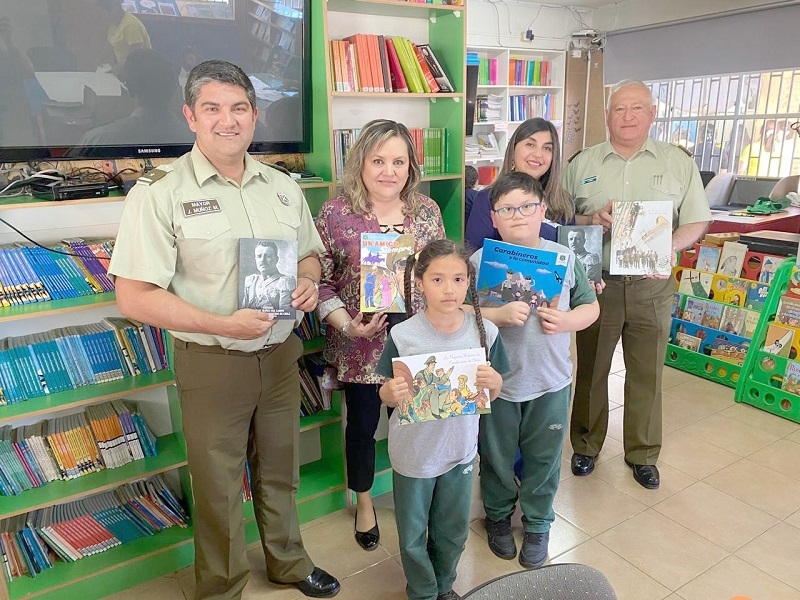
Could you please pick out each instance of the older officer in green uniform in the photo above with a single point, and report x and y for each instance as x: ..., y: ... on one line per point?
x: 629, y: 166
x: 175, y: 264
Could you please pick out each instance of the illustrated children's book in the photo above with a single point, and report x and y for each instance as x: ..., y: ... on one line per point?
x: 695, y: 283
x: 441, y: 385
x: 708, y: 258
x: 778, y: 340
x: 788, y: 312
x: 732, y: 259
x: 733, y: 320
x: 712, y: 315
x: 791, y: 381
x: 677, y: 310
x: 268, y: 276
x: 694, y: 310
x: 768, y: 267
x: 684, y: 340
x: 641, y: 238
x: 586, y: 241
x: 511, y: 273
x: 383, y: 265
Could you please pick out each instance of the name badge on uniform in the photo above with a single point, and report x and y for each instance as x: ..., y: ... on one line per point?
x: 192, y: 208
x: 283, y: 198
x: 591, y: 179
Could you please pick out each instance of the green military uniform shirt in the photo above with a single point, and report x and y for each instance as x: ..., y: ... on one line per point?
x: 180, y: 231
x: 658, y: 171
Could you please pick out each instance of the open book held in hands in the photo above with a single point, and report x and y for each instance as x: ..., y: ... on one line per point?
x: 441, y: 385
x: 268, y: 276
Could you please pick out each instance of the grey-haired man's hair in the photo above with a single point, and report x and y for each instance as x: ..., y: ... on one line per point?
x: 220, y: 71
x: 625, y: 83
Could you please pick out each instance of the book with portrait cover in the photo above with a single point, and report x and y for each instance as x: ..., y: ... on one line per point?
x: 268, y: 276
x: 383, y: 265
x: 509, y: 273
x: 441, y: 385
x: 641, y: 238
x: 586, y: 241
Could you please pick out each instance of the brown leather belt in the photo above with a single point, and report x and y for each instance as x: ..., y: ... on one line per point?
x: 625, y: 278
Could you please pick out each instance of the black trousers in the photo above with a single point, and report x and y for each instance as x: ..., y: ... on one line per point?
x: 363, y: 414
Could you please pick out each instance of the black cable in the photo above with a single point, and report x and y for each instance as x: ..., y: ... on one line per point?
x: 53, y: 250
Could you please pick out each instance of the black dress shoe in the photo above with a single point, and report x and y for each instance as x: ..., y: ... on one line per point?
x: 582, y: 464
x: 317, y: 585
x: 646, y: 476
x: 368, y: 540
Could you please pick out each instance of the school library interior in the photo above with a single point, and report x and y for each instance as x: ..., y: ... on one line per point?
x: 96, y: 495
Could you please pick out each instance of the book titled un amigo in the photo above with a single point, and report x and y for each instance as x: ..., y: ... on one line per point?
x: 510, y: 273
x: 268, y: 276
x: 383, y: 263
x: 441, y: 385
x: 641, y: 238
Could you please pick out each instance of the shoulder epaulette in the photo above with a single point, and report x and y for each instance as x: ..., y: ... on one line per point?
x: 278, y: 168
x: 686, y: 150
x: 151, y: 177
x: 569, y: 160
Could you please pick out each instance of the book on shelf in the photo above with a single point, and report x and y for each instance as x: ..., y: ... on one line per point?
x: 524, y: 72
x: 791, y: 380
x: 731, y: 260
x: 712, y: 315
x: 733, y: 320
x: 693, y: 310
x: 268, y: 276
x: 641, y: 238
x: 383, y: 261
x: 528, y: 106
x: 441, y: 385
x: 708, y: 258
x: 689, y: 342
x: 677, y: 306
x: 509, y: 273
x: 435, y: 68
x: 695, y: 283
x: 487, y: 145
x: 788, y: 312
x: 728, y: 351
x: 779, y: 340
x: 586, y: 241
x: 769, y: 264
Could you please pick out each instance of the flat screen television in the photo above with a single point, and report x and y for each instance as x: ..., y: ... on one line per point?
x: 104, y: 78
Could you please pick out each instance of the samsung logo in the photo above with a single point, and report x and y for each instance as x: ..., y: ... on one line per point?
x: 149, y: 150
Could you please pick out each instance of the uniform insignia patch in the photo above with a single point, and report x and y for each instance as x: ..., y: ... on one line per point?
x: 283, y: 198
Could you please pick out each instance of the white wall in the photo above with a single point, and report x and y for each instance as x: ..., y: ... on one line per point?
x: 636, y: 13
x: 501, y: 23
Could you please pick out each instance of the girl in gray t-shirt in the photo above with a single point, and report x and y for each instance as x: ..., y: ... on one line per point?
x: 432, y: 460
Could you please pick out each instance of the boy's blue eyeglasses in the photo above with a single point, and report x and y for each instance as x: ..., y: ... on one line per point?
x: 526, y: 210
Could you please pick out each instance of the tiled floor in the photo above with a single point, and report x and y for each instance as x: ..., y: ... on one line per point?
x: 725, y: 521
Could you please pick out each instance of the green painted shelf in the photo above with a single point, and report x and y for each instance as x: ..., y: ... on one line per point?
x: 43, y: 309
x: 88, y: 394
x: 104, y: 573
x: 319, y: 419
x: 314, y: 345
x: 171, y: 454
x: 319, y: 477
x: 393, y: 8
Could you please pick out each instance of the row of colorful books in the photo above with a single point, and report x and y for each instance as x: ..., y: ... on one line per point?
x: 430, y: 144
x: 104, y: 436
x: 488, y: 108
x: 66, y: 358
x: 34, y: 542
x: 783, y: 335
x: 522, y: 107
x: 366, y: 62
x: 310, y: 327
x: 529, y: 72
x: 732, y: 259
x: 487, y: 68
x: 728, y: 318
x: 31, y: 273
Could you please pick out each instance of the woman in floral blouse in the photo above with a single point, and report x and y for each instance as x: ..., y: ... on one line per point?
x: 379, y: 195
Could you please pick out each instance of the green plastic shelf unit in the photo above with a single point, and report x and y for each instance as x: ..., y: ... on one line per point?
x: 762, y: 373
x: 703, y: 366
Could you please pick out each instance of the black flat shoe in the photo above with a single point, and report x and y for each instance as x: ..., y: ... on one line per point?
x: 646, y: 475
x: 581, y: 464
x: 368, y: 540
x: 317, y: 585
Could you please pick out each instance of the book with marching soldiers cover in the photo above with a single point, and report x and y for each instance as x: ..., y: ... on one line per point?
x: 510, y: 273
x: 383, y: 266
x: 641, y: 238
x: 441, y: 385
x: 268, y: 276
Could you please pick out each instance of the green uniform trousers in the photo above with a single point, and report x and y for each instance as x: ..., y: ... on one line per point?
x: 639, y: 311
x: 237, y: 405
x: 432, y: 524
x: 537, y: 427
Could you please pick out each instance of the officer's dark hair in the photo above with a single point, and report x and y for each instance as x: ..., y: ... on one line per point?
x: 220, y: 71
